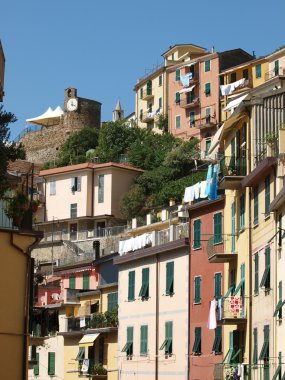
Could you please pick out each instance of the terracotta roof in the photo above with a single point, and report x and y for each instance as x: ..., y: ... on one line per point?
x: 24, y: 167
x: 87, y: 165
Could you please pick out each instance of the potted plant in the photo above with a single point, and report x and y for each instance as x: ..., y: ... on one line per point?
x: 34, y: 205
x: 16, y: 207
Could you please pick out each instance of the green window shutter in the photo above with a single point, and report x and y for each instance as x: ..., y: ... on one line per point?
x: 177, y: 97
x: 265, y: 281
x: 255, y: 347
x: 149, y: 88
x: 130, y: 337
x: 278, y: 309
x: 168, y: 337
x: 276, y: 67
x: 197, y: 234
x: 169, y: 278
x: 160, y: 102
x: 217, y: 346
x: 233, y: 226
x: 207, y: 65
x: 255, y: 206
x: 141, y: 92
x: 208, y: 89
x: 218, y: 228
x: 86, y: 281
x: 101, y: 178
x: 197, y: 290
x: 264, y: 353
x: 141, y: 114
x: 218, y: 285
x: 72, y: 280
x: 258, y: 71
x: 178, y: 122
x: 144, y: 292
x: 192, y: 118
x: 37, y: 365
x: 267, y: 196
x: 144, y: 340
x: 256, y: 274
x: 160, y: 80
x: 242, y: 212
x: 51, y: 363
x: 81, y: 354
x: 177, y: 75
x: 241, y: 284
x: 197, y: 343
x: 112, y: 301
x: 131, y: 290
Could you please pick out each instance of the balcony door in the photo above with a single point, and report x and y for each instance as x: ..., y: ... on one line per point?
x: 73, y: 231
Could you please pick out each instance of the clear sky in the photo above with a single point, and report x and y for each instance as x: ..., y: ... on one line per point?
x: 102, y: 47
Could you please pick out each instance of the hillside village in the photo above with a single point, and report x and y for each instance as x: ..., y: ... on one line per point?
x: 151, y: 246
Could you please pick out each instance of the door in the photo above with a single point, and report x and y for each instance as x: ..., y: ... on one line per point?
x: 73, y: 231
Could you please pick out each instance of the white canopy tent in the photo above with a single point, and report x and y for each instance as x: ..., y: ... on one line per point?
x: 48, y: 118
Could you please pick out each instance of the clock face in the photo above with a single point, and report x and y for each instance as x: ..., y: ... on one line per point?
x: 72, y: 104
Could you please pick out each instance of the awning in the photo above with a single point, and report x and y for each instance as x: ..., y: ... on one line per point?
x: 88, y: 340
x: 234, y: 103
x: 187, y: 89
x: 48, y: 118
x: 216, y: 140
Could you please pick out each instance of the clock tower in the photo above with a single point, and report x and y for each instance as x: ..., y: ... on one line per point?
x: 70, y: 99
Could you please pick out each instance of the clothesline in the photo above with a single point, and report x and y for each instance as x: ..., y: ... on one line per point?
x: 228, y: 89
x: 134, y: 243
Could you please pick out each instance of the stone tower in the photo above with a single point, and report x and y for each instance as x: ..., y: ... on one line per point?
x: 118, y: 113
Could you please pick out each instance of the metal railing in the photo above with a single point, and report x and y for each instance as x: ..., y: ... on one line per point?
x: 246, y: 84
x: 205, y: 121
x: 274, y: 73
x: 147, y: 93
x: 151, y: 71
x: 264, y: 150
x: 216, y: 245
x: 226, y: 371
x: 233, y: 308
x: 181, y: 231
x: 163, y: 236
x: 233, y: 166
x: 190, y: 101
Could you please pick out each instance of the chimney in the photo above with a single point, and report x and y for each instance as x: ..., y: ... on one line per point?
x: 96, y: 249
x: 213, y: 49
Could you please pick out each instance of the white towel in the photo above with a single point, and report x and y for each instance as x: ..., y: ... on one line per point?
x: 187, y: 194
x: 197, y: 190
x: 212, y: 321
x: 203, y: 185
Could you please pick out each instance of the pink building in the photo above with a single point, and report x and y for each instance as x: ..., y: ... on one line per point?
x: 194, y: 95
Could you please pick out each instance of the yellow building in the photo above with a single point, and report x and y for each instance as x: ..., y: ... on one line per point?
x: 15, y: 254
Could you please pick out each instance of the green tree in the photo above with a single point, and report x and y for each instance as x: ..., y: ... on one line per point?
x: 75, y: 147
x: 162, y: 123
x: 9, y: 151
x: 133, y: 202
x: 152, y: 181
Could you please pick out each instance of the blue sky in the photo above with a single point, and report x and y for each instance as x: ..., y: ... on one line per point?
x: 102, y: 47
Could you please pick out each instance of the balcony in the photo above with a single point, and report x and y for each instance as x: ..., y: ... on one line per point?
x: 147, y: 94
x: 147, y: 117
x: 233, y: 171
x: 247, y: 85
x: 226, y: 371
x: 217, y: 253
x: 233, y: 311
x: 206, y: 122
x: 89, y: 368
x: 274, y: 73
x: 190, y: 102
x: 93, y: 321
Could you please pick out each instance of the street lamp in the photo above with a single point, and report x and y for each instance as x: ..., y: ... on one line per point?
x: 52, y: 232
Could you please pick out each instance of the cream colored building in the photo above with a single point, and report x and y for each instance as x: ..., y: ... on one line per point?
x: 153, y: 305
x: 152, y: 89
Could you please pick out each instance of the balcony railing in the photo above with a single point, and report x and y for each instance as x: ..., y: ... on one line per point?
x: 264, y: 150
x: 233, y: 310
x: 233, y: 166
x: 205, y: 122
x: 189, y: 102
x: 245, y: 85
x: 274, y: 73
x: 147, y: 94
x: 93, y: 321
x: 226, y: 371
x: 89, y: 368
x: 148, y: 116
x: 216, y: 249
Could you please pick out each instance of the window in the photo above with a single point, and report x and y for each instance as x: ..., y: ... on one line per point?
x: 167, y: 345
x: 276, y: 67
x: 232, y: 287
x: 160, y: 102
x: 207, y: 89
x: 52, y: 188
x: 73, y: 210
x: 234, y: 350
x: 233, y: 77
x: 255, y: 347
x: 192, y: 118
x: 101, y: 178
x: 131, y: 289
x: 177, y: 97
x: 265, y: 281
x: 141, y: 92
x: 218, y: 286
x: 218, y: 238
x: 149, y: 87
x: 222, y: 80
x: 86, y: 281
x: 81, y: 354
x: 245, y: 74
x: 256, y: 273
x: 264, y: 353
x: 197, y: 234
x: 241, y: 212
x: 112, y: 301
x: 197, y: 343
x: 76, y: 184
x: 144, y: 339
x: 144, y: 292
x: 169, y: 278
x: 160, y: 80
x: 141, y: 114
x: 177, y: 75
x: 233, y: 207
x: 37, y: 365
x: 255, y: 206
x: 208, y: 115
x: 278, y: 309
x: 128, y: 347
x: 149, y: 107
x: 267, y: 196
x: 72, y: 280
x: 207, y: 65
x: 258, y: 71
x: 177, y: 122
x: 241, y: 283
x: 280, y: 232
x: 197, y: 289
x: 51, y: 363
x: 217, y: 346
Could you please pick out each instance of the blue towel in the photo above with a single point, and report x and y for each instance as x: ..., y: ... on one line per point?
x: 208, y: 180
x: 213, y: 194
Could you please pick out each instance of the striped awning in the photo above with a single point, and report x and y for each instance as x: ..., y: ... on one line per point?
x: 88, y: 340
